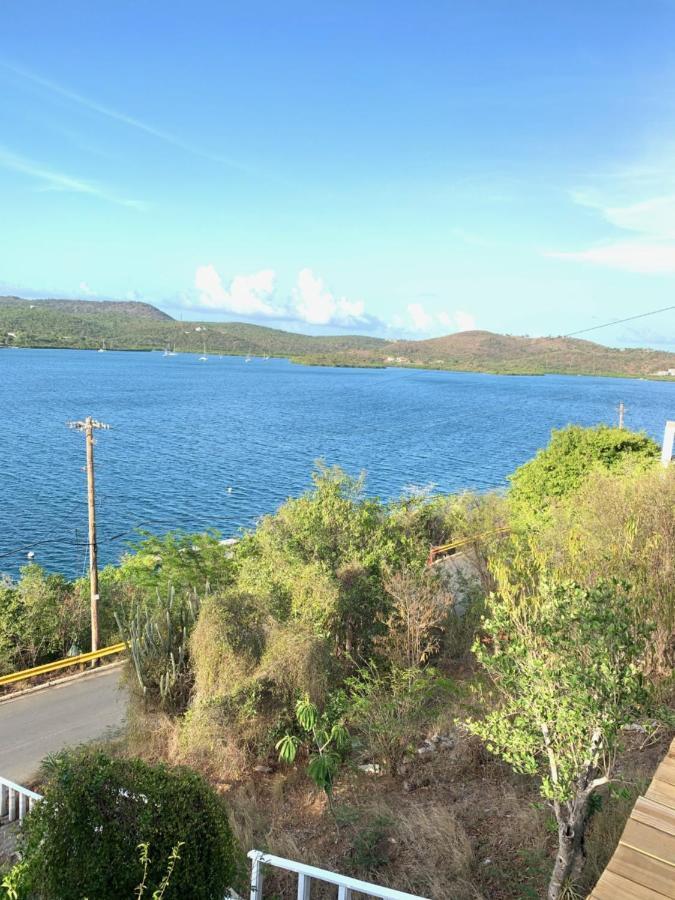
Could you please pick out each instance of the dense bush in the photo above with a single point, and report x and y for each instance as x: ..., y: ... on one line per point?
x: 621, y: 525
x: 317, y: 560
x: 389, y: 711
x: 41, y: 616
x: 572, y: 454
x: 82, y: 840
x: 185, y: 562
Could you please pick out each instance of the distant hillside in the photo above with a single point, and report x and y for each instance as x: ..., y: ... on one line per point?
x: 485, y: 351
x: 131, y: 309
x: 88, y: 324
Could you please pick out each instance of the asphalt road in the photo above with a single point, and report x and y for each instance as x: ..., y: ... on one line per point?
x: 62, y: 715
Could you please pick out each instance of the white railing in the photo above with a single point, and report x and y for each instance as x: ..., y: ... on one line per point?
x: 306, y: 874
x: 15, y: 800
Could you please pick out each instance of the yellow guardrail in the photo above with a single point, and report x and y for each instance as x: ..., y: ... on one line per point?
x: 435, y: 552
x: 46, y: 668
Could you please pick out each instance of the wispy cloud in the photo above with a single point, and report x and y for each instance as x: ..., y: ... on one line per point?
x: 52, y: 180
x: 650, y: 247
x: 626, y: 256
x: 114, y: 114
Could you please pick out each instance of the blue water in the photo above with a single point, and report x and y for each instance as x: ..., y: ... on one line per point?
x: 218, y: 443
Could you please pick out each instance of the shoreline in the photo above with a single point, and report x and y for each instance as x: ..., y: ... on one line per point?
x: 339, y: 364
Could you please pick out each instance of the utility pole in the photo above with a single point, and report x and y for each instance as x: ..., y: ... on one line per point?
x: 668, y: 442
x: 622, y: 410
x: 88, y: 426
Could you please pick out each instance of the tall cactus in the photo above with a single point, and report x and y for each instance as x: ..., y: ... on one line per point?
x: 158, y: 640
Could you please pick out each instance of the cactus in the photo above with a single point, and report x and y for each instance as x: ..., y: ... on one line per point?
x: 158, y: 638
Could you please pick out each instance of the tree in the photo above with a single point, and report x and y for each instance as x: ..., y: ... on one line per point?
x: 573, y: 452
x: 566, y: 666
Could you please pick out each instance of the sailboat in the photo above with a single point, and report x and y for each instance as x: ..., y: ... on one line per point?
x: 168, y: 352
x: 102, y: 348
x: 204, y: 357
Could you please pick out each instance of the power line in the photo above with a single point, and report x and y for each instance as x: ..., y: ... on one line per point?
x: 58, y: 540
x: 653, y: 312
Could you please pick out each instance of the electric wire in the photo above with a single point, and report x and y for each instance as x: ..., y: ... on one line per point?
x: 652, y: 312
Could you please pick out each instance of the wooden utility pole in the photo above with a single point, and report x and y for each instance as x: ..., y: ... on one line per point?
x: 88, y: 426
x: 622, y: 410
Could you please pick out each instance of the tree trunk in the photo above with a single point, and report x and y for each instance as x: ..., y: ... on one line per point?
x: 571, y: 847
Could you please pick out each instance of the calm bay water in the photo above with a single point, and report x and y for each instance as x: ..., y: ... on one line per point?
x: 197, y: 444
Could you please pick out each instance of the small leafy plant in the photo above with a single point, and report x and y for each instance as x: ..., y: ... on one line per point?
x: 326, y: 742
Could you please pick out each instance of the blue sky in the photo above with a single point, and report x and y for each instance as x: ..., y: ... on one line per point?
x: 378, y: 167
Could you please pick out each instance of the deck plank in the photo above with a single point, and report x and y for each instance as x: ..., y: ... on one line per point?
x: 612, y: 886
x: 643, y: 865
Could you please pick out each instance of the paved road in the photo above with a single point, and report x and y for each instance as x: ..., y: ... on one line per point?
x: 62, y: 715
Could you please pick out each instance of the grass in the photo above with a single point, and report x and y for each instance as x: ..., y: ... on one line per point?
x: 464, y: 826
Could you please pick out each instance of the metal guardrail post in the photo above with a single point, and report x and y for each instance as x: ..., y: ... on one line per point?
x: 346, y: 885
x: 15, y: 800
x: 256, y: 875
x: 304, y: 887
x: 13, y: 812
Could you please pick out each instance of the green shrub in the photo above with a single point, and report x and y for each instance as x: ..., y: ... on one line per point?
x: 621, y: 525
x: 188, y: 562
x: 82, y: 840
x: 319, y: 560
x: 41, y: 616
x: 390, y: 711
x: 573, y: 452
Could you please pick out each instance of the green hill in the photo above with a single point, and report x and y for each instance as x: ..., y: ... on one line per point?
x: 88, y: 324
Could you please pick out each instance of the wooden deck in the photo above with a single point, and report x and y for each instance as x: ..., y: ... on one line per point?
x: 643, y: 865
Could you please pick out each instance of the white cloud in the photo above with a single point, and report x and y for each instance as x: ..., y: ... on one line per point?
x: 316, y: 305
x: 248, y: 295
x: 421, y: 319
x: 465, y: 321
x: 627, y: 256
x: 426, y: 322
x: 85, y: 289
x: 457, y: 321
x: 254, y: 296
